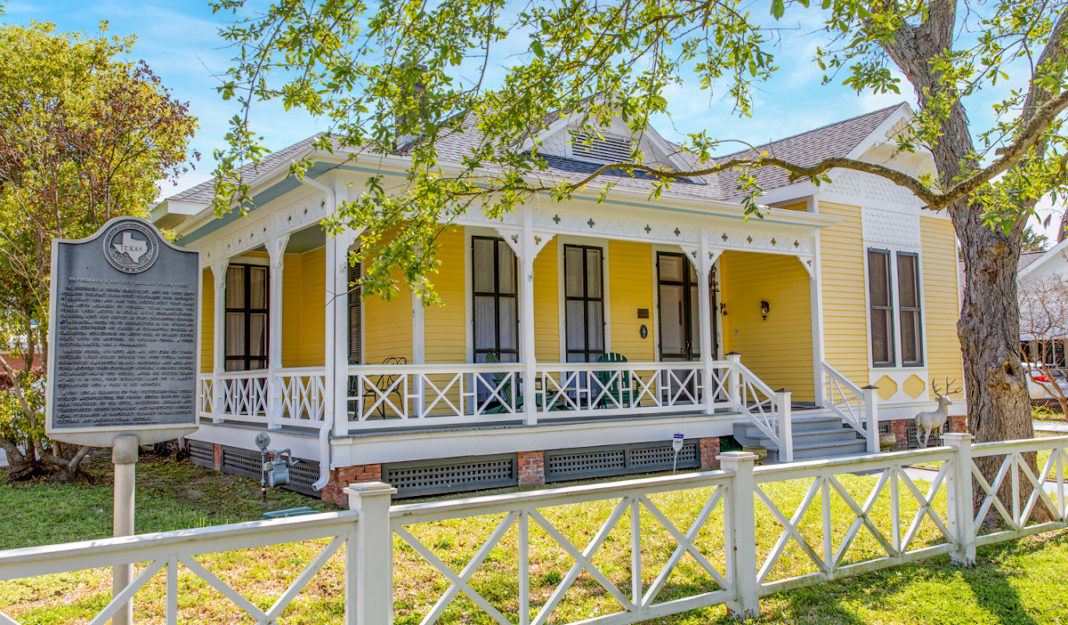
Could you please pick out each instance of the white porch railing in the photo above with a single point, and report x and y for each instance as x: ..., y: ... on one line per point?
x: 298, y: 397
x: 894, y: 508
x: 620, y: 388
x: 392, y: 396
x: 239, y: 395
x: 386, y: 396
x: 303, y: 396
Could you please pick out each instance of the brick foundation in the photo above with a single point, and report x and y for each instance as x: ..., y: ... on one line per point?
x: 709, y: 449
x: 531, y: 468
x: 958, y: 423
x: 334, y: 491
x: 217, y: 457
x: 900, y: 429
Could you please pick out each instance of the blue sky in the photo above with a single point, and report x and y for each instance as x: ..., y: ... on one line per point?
x: 180, y: 41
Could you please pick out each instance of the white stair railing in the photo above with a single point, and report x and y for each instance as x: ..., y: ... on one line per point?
x: 769, y: 410
x: 856, y: 407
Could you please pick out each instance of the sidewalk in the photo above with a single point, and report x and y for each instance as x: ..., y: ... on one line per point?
x: 1055, y: 427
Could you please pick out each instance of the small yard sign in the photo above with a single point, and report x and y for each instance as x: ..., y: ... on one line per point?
x: 124, y: 336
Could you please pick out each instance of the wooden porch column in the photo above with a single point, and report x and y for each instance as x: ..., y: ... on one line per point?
x: 218, y: 336
x: 276, y: 249
x: 529, y: 251
x: 703, y: 263
x: 526, y: 244
x: 336, y: 353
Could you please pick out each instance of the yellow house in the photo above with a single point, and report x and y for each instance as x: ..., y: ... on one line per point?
x: 575, y: 339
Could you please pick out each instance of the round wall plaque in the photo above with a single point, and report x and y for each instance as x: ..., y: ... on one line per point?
x: 130, y: 246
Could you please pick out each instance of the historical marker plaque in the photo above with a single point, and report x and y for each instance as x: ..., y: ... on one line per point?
x: 124, y: 334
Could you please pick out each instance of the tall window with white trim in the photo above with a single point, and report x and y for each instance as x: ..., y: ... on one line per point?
x: 495, y: 300
x: 895, y: 308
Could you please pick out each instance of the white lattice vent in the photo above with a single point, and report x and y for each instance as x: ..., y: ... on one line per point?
x: 603, y: 149
x: 413, y: 479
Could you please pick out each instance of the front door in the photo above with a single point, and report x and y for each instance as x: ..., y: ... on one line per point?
x: 677, y: 283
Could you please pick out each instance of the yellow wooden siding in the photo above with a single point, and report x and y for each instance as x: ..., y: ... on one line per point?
x: 845, y: 325
x: 795, y: 206
x: 207, y: 321
x: 778, y: 350
x: 547, y: 305
x: 630, y: 287
x: 938, y: 261
x: 304, y: 309
x: 445, y: 323
x: 387, y: 326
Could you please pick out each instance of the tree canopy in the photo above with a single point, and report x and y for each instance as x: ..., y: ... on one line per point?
x: 390, y: 76
x: 85, y: 135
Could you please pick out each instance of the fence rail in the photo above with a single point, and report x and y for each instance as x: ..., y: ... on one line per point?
x: 873, y: 512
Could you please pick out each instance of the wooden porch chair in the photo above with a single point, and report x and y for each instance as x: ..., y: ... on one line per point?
x: 616, y: 390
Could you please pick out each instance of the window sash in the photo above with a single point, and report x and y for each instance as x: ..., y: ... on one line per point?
x: 881, y: 308
x: 494, y: 300
x: 247, y: 317
x: 584, y: 303
x: 909, y: 305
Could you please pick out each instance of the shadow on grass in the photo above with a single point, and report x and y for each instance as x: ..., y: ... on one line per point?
x: 931, y: 591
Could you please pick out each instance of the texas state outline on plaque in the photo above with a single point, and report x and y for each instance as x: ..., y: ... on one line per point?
x: 130, y: 246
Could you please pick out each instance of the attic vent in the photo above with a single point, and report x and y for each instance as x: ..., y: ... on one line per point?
x: 606, y: 149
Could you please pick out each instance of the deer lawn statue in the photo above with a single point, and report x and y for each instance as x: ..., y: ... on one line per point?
x: 933, y: 420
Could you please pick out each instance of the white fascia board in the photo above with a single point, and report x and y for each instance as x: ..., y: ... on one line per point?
x: 879, y: 135
x: 1051, y: 253
x: 553, y: 128
x: 795, y: 191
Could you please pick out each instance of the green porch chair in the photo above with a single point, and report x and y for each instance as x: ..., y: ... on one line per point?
x: 616, y: 390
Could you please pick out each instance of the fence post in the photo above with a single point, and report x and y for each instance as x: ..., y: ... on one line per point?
x: 959, y: 494
x: 734, y: 380
x: 871, y: 414
x: 369, y: 556
x: 741, y: 525
x: 786, y: 425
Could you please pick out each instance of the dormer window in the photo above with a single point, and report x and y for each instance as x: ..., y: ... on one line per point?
x: 602, y: 149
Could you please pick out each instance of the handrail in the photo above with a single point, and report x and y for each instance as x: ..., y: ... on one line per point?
x: 850, y: 407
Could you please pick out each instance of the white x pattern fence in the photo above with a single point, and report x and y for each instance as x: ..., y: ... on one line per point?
x: 650, y: 548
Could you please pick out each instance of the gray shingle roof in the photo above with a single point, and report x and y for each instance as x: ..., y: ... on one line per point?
x: 204, y: 192
x: 1026, y: 258
x: 807, y: 148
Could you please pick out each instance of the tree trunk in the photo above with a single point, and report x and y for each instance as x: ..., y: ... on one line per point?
x: 999, y: 407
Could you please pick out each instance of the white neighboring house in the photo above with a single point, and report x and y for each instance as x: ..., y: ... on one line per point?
x: 1033, y: 269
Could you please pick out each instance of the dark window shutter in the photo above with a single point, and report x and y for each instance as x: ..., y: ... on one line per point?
x: 355, y: 315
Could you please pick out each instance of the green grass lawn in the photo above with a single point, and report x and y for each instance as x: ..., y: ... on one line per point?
x: 170, y: 495
x: 1020, y: 582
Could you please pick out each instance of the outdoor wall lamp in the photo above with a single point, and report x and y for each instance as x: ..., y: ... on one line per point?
x: 764, y: 309
x: 723, y: 309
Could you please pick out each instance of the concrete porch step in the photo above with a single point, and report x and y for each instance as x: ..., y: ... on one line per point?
x: 814, y: 437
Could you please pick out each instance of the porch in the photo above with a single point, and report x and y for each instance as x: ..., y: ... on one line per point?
x: 546, y: 322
